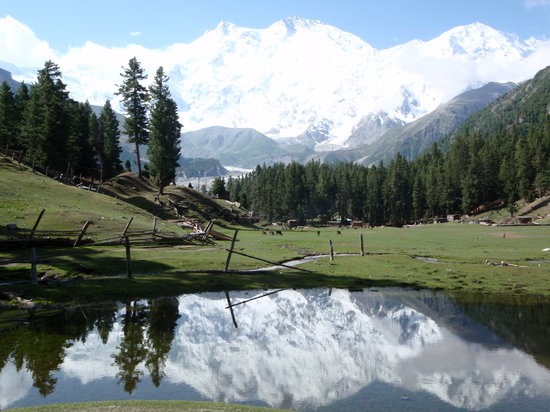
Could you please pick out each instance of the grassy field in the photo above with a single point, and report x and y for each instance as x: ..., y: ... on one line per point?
x: 145, y: 406
x: 449, y: 256
x: 26, y: 193
x: 464, y: 257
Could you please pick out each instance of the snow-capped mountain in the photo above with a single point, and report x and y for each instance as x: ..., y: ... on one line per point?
x: 298, y: 75
x: 308, y: 81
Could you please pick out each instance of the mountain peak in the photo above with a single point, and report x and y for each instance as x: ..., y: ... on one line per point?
x: 472, y: 28
x: 225, y: 27
x: 301, y: 23
x: 479, y: 40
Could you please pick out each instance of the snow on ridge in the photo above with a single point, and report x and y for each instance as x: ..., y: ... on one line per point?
x: 298, y: 73
x: 292, y: 82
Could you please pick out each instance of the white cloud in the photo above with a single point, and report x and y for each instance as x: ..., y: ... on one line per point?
x: 536, y: 3
x: 15, y: 383
x: 20, y: 46
x: 135, y: 33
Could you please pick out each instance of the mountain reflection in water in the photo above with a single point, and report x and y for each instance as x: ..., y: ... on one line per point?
x: 305, y: 350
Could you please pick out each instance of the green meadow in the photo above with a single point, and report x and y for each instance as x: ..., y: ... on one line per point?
x: 500, y: 260
x: 473, y: 258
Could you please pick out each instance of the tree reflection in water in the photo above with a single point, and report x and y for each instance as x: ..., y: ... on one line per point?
x: 163, y: 318
x: 132, y: 350
x: 40, y: 345
x: 148, y: 334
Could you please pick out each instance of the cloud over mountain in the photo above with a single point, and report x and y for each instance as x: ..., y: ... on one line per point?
x: 20, y: 46
x: 294, y: 75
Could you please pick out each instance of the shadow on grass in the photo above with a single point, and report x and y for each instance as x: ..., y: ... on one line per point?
x: 155, y: 283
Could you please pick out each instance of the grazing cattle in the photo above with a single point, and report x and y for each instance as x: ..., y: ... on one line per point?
x: 279, y: 232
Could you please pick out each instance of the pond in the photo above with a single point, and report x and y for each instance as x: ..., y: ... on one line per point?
x: 307, y: 350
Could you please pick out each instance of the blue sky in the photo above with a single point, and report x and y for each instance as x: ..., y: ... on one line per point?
x: 156, y: 24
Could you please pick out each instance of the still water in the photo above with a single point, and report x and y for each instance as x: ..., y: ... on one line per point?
x: 310, y: 350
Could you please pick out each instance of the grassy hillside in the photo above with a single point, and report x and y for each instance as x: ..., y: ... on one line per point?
x: 26, y: 193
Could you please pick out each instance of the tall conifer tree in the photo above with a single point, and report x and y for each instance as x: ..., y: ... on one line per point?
x: 134, y: 98
x: 110, y: 135
x: 9, y: 123
x: 46, y: 124
x: 164, y: 146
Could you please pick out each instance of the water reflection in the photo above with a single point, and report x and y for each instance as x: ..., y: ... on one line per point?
x: 306, y: 350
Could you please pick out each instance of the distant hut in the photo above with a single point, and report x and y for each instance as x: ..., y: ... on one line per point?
x: 292, y: 223
x: 525, y: 220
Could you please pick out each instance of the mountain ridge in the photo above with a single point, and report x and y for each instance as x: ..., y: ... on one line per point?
x: 415, y: 137
x: 300, y: 73
x: 312, y: 87
x: 409, y: 139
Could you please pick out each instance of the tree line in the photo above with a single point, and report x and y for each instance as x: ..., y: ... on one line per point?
x: 54, y: 131
x: 456, y: 176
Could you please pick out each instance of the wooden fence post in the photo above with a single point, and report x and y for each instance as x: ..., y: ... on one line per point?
x: 125, y: 230
x: 362, y: 246
x: 331, y: 249
x: 154, y: 226
x: 79, y: 238
x: 128, y: 257
x: 230, y: 251
x: 34, y: 280
x: 36, y: 223
x: 231, y: 308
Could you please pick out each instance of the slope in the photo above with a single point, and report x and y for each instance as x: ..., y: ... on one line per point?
x: 26, y: 193
x: 527, y: 105
x: 413, y: 138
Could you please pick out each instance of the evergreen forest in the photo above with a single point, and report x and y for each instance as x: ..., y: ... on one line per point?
x: 49, y: 130
x: 500, y: 155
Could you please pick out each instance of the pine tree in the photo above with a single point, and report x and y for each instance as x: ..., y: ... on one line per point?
x: 375, y: 212
x: 525, y: 172
x: 95, y: 138
x: 398, y: 191
x: 134, y: 98
x: 418, y: 197
x: 46, y: 124
x: 9, y: 123
x: 325, y: 190
x: 164, y: 148
x: 218, y: 188
x: 80, y: 153
x: 110, y: 136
